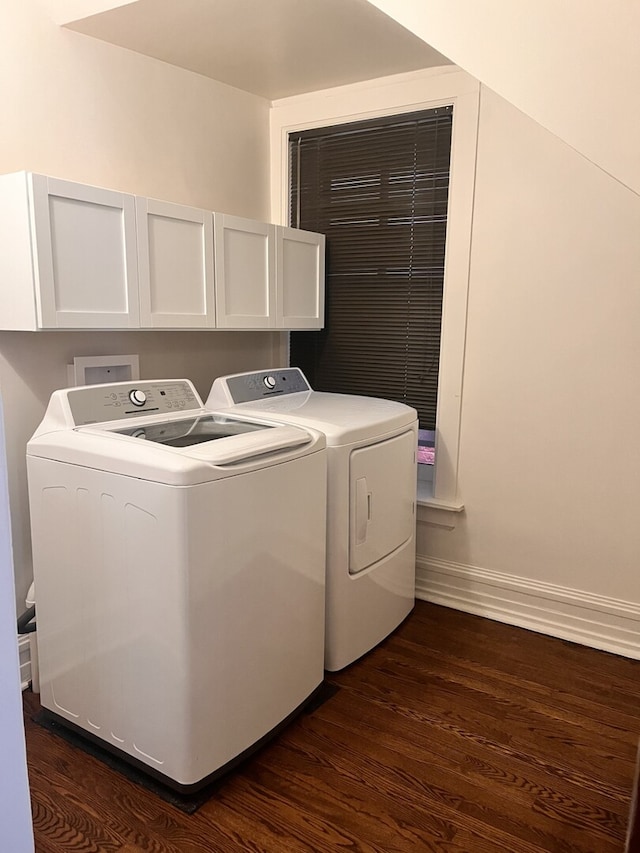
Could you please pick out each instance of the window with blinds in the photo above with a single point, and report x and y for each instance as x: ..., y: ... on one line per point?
x: 378, y: 190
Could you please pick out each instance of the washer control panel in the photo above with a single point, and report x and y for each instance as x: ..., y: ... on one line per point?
x: 248, y: 387
x: 94, y: 404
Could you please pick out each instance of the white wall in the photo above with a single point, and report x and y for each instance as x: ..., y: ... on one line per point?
x: 570, y: 65
x: 78, y: 108
x: 550, y: 459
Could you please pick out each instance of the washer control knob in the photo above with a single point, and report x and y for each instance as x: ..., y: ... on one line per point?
x: 138, y: 398
x: 270, y: 382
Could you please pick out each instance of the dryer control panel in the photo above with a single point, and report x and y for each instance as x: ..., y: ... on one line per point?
x: 94, y: 404
x: 248, y: 387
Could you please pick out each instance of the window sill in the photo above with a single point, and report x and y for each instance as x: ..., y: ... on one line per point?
x: 433, y: 503
x: 425, y: 492
x: 434, y: 512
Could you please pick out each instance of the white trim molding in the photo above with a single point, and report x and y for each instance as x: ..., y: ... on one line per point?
x: 581, y: 617
x: 400, y: 93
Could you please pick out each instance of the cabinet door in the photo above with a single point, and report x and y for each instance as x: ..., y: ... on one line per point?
x: 245, y: 273
x: 175, y: 265
x: 300, y: 279
x: 85, y: 256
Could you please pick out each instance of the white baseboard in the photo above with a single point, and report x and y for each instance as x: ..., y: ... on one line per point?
x: 570, y: 614
x: 24, y: 653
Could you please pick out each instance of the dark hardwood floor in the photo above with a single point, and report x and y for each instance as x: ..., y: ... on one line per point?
x: 457, y: 734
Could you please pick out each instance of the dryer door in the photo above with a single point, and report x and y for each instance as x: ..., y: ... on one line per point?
x: 382, y: 492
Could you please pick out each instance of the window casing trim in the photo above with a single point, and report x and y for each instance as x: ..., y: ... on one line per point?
x: 386, y: 96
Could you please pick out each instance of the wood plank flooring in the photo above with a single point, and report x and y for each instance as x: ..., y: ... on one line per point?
x: 457, y: 734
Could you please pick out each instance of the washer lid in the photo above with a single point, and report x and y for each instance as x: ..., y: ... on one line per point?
x: 116, y: 452
x: 343, y: 418
x: 159, y: 431
x: 187, y: 432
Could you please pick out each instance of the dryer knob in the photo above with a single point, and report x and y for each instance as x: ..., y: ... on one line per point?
x: 138, y: 398
x: 270, y: 382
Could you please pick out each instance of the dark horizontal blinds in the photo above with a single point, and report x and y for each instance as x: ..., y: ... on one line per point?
x: 378, y: 190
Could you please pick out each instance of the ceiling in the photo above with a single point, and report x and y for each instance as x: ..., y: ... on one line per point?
x: 271, y: 48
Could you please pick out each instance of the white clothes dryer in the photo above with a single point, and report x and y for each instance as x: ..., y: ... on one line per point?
x: 179, y: 562
x: 371, y: 509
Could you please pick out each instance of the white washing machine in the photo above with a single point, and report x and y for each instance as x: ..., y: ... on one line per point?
x: 371, y: 520
x: 179, y: 562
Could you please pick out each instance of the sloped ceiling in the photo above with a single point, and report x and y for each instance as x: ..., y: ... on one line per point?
x: 573, y: 67
x: 271, y: 48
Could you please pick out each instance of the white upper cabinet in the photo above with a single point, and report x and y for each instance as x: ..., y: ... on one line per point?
x: 81, y: 257
x: 267, y: 277
x: 245, y: 261
x: 175, y: 265
x: 84, y: 251
x: 300, y: 279
x: 67, y: 255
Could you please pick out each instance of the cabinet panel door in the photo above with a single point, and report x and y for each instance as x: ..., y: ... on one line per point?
x: 85, y: 256
x: 245, y: 273
x: 175, y: 265
x: 300, y: 281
